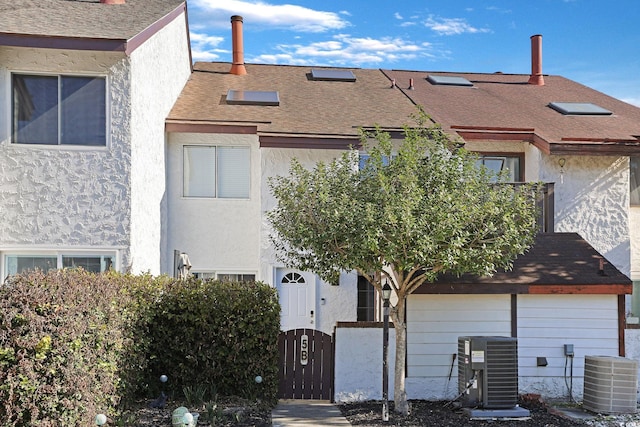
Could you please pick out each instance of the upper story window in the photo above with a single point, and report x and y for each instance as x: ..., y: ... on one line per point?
x: 634, y: 181
x: 498, y: 163
x: 58, y: 110
x: 216, y: 172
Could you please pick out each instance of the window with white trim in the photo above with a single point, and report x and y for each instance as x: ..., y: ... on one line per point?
x: 216, y: 172
x: 634, y: 181
x: 498, y: 163
x: 19, y: 263
x: 58, y: 110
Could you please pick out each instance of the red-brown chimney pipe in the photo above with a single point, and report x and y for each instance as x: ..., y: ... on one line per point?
x: 237, y: 67
x: 536, y: 77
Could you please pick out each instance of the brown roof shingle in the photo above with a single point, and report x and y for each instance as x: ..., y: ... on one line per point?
x: 556, y: 263
x: 505, y: 104
x: 307, y: 107
x: 75, y: 19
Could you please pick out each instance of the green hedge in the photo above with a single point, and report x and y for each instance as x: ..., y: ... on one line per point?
x: 219, y: 336
x: 74, y: 344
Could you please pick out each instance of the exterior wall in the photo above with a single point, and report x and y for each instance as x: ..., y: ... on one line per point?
x: 547, y: 322
x: 58, y: 197
x: 358, y: 363
x: 221, y: 235
x: 434, y: 323
x: 333, y: 303
x: 634, y: 233
x: 632, y: 345
x: 159, y: 70
x: 592, y: 199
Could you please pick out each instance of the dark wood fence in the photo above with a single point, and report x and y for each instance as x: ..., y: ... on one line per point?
x: 306, y: 365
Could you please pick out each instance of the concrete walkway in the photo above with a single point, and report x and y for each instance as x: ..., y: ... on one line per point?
x: 293, y: 413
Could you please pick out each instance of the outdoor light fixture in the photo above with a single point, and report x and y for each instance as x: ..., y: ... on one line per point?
x: 561, y: 162
x: 386, y: 296
x: 386, y: 292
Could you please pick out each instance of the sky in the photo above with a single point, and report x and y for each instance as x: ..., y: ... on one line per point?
x: 593, y: 42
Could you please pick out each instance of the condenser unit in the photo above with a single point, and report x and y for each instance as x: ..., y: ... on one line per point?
x: 610, y: 384
x: 488, y: 372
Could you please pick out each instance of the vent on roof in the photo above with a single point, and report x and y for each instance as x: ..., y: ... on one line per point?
x: 579, y: 108
x: 333, y: 75
x: 252, y: 97
x: 448, y: 80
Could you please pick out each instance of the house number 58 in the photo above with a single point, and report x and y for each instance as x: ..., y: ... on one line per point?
x: 304, y: 349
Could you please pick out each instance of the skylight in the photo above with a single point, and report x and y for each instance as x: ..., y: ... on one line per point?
x: 334, y: 75
x: 252, y: 97
x: 448, y: 80
x: 579, y: 108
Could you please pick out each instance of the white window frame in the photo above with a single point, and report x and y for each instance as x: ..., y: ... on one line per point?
x: 58, y: 145
x: 634, y: 181
x: 59, y: 254
x: 216, y: 172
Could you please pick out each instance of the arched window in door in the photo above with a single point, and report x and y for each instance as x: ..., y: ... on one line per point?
x: 293, y: 278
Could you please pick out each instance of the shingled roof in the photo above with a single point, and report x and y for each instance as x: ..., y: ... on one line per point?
x: 558, y: 263
x: 83, y: 24
x: 504, y: 107
x: 310, y: 109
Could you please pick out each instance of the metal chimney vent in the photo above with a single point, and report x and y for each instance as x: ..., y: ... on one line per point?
x: 488, y: 371
x: 610, y: 384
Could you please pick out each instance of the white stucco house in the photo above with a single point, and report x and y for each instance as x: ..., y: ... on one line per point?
x: 175, y: 158
x: 85, y: 89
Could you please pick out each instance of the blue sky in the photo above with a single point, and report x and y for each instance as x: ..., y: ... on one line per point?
x: 594, y: 42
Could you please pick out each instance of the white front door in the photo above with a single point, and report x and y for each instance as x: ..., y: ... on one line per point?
x: 297, y: 293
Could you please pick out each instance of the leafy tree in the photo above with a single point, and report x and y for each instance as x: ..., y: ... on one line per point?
x: 413, y: 211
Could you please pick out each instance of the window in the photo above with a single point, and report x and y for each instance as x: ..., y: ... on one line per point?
x: 294, y: 278
x: 59, y: 110
x: 498, y: 163
x: 18, y: 263
x: 634, y: 180
x: 366, y: 301
x: 237, y: 277
x: 216, y: 172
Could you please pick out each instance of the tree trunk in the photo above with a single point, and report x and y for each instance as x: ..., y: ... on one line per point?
x: 399, y: 389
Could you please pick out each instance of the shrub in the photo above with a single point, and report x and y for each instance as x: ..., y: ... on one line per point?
x: 219, y: 335
x: 74, y: 344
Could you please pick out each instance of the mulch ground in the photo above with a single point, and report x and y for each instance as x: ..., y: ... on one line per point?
x: 443, y: 414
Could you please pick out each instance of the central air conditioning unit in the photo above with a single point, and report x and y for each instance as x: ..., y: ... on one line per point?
x: 610, y: 384
x: 488, y: 372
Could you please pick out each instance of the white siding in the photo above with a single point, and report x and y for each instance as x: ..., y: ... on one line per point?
x: 159, y: 70
x: 333, y: 303
x: 434, y: 324
x: 221, y: 235
x: 547, y: 322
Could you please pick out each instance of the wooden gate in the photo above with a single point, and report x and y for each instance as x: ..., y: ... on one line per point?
x: 306, y: 365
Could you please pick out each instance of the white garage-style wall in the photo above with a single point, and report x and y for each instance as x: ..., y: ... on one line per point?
x: 547, y: 322
x: 434, y: 324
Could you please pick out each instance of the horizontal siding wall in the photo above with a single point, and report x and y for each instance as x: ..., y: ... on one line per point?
x: 434, y: 324
x: 547, y: 322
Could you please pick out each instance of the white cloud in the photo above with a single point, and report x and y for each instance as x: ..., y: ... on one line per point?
x: 260, y: 14
x: 452, y: 26
x: 397, y: 16
x: 344, y: 49
x: 205, y: 47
